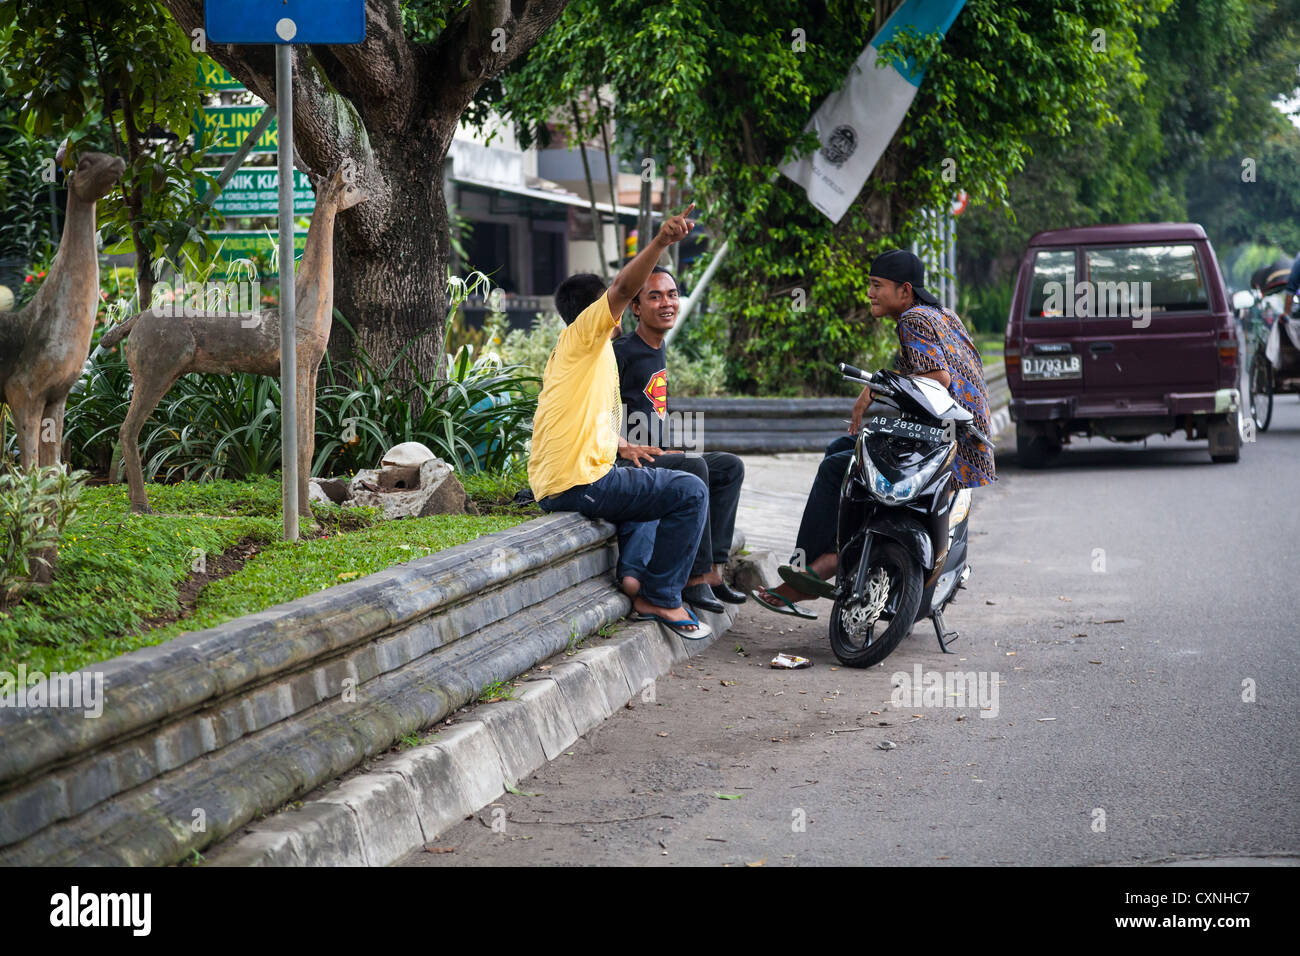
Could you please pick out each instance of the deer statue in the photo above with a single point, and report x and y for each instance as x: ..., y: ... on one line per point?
x: 166, y: 343
x: 44, y: 346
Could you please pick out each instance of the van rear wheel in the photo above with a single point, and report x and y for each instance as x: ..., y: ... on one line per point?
x: 1225, y: 439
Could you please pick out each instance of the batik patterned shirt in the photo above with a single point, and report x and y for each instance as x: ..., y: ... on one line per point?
x: 934, y: 339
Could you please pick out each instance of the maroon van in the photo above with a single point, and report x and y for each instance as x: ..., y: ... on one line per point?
x: 1122, y: 332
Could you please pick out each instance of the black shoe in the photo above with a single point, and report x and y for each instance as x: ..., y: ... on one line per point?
x: 729, y: 594
x: 701, y: 597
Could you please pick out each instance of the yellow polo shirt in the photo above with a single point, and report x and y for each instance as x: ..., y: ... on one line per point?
x: 579, y: 412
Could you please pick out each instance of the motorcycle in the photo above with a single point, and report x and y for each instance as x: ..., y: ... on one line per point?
x: 902, y: 532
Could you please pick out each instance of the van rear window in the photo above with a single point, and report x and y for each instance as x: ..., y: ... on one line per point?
x: 1159, y: 278
x: 1052, y: 285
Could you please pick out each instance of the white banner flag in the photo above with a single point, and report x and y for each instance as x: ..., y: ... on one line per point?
x: 857, y: 121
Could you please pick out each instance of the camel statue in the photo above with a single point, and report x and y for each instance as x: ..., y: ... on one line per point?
x: 163, y: 346
x: 44, y: 346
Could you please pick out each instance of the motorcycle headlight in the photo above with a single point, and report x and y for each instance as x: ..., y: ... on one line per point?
x: 905, y: 490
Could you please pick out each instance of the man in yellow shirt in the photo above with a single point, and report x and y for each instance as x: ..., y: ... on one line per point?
x: 576, y: 436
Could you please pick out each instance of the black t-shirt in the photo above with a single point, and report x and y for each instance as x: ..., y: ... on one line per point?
x: 643, y: 385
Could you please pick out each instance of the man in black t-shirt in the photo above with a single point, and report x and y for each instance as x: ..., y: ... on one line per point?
x: 643, y: 383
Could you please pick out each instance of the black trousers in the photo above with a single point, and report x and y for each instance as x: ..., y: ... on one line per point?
x: 723, y: 474
x: 821, y: 512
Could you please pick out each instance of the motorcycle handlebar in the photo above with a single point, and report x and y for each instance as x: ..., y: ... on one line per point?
x: 854, y: 374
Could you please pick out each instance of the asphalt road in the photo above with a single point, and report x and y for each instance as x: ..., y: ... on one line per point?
x: 1137, y: 609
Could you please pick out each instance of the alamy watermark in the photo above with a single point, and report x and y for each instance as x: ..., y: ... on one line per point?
x: 952, y: 689
x: 80, y: 689
x: 1112, y: 300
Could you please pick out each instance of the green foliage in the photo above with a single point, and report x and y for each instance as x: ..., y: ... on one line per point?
x: 117, y: 76
x: 496, y: 489
x: 478, y: 417
x: 720, y: 86
x: 1241, y: 264
x: 337, y: 519
x: 25, y: 226
x: 1211, y: 75
x: 36, y: 506
x: 986, y: 308
x: 532, y: 348
x: 117, y: 569
x: 118, y: 572
x: 700, y: 371
x: 495, y: 691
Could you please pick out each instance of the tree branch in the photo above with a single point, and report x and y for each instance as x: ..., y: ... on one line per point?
x: 383, y: 66
x: 483, y: 40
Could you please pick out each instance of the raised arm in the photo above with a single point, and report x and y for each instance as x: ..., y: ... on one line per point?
x: 634, y: 275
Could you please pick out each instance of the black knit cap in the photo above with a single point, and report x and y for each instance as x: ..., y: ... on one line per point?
x: 899, y: 265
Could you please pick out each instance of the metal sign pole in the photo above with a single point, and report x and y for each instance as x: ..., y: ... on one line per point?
x: 285, y: 22
x: 288, y: 337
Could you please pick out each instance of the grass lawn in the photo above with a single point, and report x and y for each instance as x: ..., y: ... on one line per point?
x: 990, y: 346
x: 120, y: 576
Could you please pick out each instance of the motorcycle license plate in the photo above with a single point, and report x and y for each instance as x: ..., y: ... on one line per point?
x: 1051, y: 367
x: 902, y: 428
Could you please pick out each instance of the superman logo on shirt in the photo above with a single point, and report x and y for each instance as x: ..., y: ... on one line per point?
x: 657, y: 391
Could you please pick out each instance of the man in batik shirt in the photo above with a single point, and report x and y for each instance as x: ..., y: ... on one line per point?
x: 933, y: 343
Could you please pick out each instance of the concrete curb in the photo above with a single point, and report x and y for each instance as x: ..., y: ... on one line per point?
x: 405, y: 800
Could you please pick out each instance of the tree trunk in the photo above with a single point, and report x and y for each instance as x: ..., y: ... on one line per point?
x: 394, y: 293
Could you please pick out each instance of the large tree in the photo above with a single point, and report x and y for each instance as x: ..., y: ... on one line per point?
x: 392, y: 104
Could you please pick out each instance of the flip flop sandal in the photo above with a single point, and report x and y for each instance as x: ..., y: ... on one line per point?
x: 805, y: 582
x: 790, y: 610
x: 698, y: 631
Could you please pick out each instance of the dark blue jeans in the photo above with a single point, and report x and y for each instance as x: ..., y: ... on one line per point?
x: 677, y: 500
x: 722, y: 474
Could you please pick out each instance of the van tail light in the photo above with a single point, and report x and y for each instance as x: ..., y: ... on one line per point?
x: 1011, y: 359
x: 1227, y: 348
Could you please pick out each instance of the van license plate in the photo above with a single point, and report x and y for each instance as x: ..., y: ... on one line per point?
x: 1051, y: 367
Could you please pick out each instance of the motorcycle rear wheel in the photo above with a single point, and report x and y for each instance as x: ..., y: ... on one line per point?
x: 862, y: 645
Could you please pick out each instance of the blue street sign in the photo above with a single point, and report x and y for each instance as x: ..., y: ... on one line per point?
x: 286, y: 21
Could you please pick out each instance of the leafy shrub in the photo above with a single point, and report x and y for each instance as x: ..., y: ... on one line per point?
x: 35, y: 506
x: 986, y: 308
x: 700, y: 370
x: 477, y: 417
x: 531, y: 348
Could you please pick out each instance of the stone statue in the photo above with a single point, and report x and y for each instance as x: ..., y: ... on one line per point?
x: 166, y: 343
x: 44, y: 346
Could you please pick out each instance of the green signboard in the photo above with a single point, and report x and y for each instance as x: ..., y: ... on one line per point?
x: 254, y: 191
x: 253, y: 244
x: 213, y: 76
x: 223, y: 128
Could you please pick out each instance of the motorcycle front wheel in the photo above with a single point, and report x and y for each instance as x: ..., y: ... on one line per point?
x: 866, y: 631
